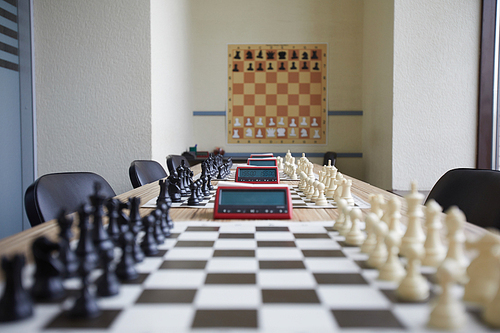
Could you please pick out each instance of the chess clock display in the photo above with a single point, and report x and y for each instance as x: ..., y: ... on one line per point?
x: 257, y: 174
x: 253, y: 201
x: 263, y: 161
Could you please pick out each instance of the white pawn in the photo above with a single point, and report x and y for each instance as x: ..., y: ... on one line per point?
x: 448, y: 313
x: 302, y: 183
x: 316, y: 191
x: 455, y: 223
x: 346, y: 226
x: 376, y: 200
x: 346, y: 192
x: 339, y: 222
x: 484, y: 270
x: 379, y: 254
x: 435, y: 251
x: 321, y: 200
x: 371, y: 221
x: 310, y: 169
x: 414, y: 286
x: 393, y: 269
x: 355, y: 236
x: 294, y: 172
x: 394, y: 216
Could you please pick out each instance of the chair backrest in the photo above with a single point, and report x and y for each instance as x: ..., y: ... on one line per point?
x: 173, y: 161
x: 49, y: 194
x: 476, y: 192
x: 330, y: 155
x: 143, y: 172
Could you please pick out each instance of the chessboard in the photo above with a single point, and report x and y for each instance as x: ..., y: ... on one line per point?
x: 263, y: 276
x: 277, y: 94
x: 299, y: 200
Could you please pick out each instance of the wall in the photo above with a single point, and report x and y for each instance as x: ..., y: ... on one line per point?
x: 378, y: 27
x: 436, y: 61
x: 339, y: 23
x: 171, y: 109
x: 93, y: 86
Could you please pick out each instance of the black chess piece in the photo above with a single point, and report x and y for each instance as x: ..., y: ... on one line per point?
x: 270, y: 67
x: 305, y: 56
x: 100, y: 237
x: 260, y: 68
x: 259, y: 55
x: 107, y: 284
x: 15, y: 303
x: 235, y: 69
x: 125, y: 270
x: 314, y: 55
x: 237, y: 55
x: 270, y: 55
x: 158, y: 228
x: 305, y: 65
x: 85, y: 250
x: 250, y: 67
x: 182, y: 184
x: 164, y: 195
x: 293, y: 65
x: 149, y: 245
x: 174, y: 190
x: 161, y: 216
x: 282, y: 66
x: 316, y: 67
x: 282, y: 55
x: 49, y: 271
x: 249, y: 55
x: 113, y: 206
x: 135, y: 216
x: 85, y: 305
x: 193, y: 199
x: 66, y: 253
x: 294, y: 55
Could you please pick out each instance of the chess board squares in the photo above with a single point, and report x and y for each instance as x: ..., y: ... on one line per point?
x: 352, y: 297
x: 228, y: 296
x: 366, y: 319
x: 296, y: 318
x: 225, y: 318
x: 103, y: 321
x: 238, y: 77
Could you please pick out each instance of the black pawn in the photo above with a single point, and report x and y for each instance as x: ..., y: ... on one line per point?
x: 148, y: 244
x: 270, y: 67
x: 125, y: 270
x: 250, y: 67
x: 305, y: 65
x: 107, y: 284
x: 235, y: 69
x: 316, y: 67
x: 193, y: 199
x: 164, y: 196
x: 159, y: 226
x: 293, y: 65
x: 160, y: 214
x: 260, y: 68
x: 113, y: 206
x: 85, y: 250
x: 66, y: 254
x: 135, y: 216
x: 15, y: 303
x: 85, y: 305
x: 282, y: 67
x: 49, y: 271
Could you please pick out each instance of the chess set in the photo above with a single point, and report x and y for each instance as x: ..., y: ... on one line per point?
x: 277, y: 94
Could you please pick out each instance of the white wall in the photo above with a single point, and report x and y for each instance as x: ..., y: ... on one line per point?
x: 436, y: 61
x: 93, y: 86
x: 170, y: 79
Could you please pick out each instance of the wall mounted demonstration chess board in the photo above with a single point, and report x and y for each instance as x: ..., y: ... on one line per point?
x: 277, y: 94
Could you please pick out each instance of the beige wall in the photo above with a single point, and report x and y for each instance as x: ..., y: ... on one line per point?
x: 339, y: 23
x: 93, y: 86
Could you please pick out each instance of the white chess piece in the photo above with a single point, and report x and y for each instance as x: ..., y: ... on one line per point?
x: 237, y: 122
x: 394, y: 216
x: 281, y: 122
x: 314, y: 123
x: 249, y: 123
x: 321, y: 200
x: 378, y: 256
x: 484, y: 270
x: 371, y: 221
x: 249, y: 132
x: 376, y: 201
x: 435, y: 252
x: 414, y: 287
x: 346, y: 191
x: 316, y: 191
x: 235, y: 134
x: 294, y: 172
x: 448, y: 312
x: 270, y: 132
x: 292, y: 132
x: 303, y: 122
x: 347, y: 225
x: 292, y: 123
x: 455, y: 223
x: 332, y: 186
x: 393, y: 269
x: 355, y: 236
x: 316, y: 134
x: 260, y: 123
x: 271, y: 122
x: 303, y: 133
x: 341, y: 205
x: 281, y: 131
x: 259, y: 134
x: 414, y: 233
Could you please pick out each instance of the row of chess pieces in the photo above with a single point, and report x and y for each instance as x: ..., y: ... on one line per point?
x: 388, y: 247
x: 127, y: 240
x: 330, y: 185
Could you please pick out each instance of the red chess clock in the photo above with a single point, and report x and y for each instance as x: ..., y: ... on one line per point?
x: 249, y: 201
x: 263, y: 161
x: 257, y: 174
x: 263, y: 155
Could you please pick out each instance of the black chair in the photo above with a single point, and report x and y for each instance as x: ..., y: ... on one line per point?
x: 173, y: 161
x: 330, y: 155
x: 476, y: 192
x: 143, y: 172
x: 49, y: 194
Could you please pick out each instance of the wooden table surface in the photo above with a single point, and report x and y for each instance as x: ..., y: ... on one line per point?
x: 21, y: 242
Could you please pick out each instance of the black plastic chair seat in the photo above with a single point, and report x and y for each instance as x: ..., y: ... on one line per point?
x: 476, y: 192
x: 173, y: 161
x: 49, y: 194
x: 143, y: 172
